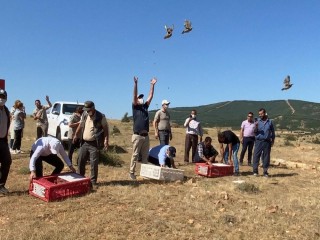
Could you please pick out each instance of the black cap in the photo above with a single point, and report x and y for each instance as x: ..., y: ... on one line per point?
x: 3, y: 92
x: 88, y: 105
x: 172, y: 152
x: 140, y: 96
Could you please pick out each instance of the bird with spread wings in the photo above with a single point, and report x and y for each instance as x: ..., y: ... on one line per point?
x: 187, y: 26
x: 169, y: 31
x: 287, y: 83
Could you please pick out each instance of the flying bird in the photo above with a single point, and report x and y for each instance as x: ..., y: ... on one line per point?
x: 187, y: 27
x: 169, y: 31
x: 287, y: 83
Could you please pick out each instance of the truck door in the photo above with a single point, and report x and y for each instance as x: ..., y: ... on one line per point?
x: 53, y: 119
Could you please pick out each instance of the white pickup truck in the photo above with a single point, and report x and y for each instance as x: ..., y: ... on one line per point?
x: 58, y: 118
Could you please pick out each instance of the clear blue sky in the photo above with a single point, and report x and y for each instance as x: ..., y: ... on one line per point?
x: 90, y: 50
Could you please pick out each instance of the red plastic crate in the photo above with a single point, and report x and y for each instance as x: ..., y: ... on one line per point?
x: 214, y: 170
x: 57, y: 187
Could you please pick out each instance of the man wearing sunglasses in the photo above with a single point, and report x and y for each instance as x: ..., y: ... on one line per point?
x: 247, y: 136
x: 93, y: 131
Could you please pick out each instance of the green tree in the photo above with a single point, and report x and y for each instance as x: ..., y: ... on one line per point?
x: 125, y: 118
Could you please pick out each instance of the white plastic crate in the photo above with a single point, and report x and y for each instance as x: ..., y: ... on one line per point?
x: 159, y: 173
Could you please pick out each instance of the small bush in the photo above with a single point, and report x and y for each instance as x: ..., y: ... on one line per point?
x: 110, y: 159
x: 247, y: 187
x: 290, y: 138
x: 115, y: 130
x: 125, y: 118
x: 316, y: 140
x: 287, y: 143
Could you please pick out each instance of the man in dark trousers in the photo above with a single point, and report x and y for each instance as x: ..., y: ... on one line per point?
x: 47, y: 149
x: 5, y: 157
x: 93, y: 131
x: 264, y: 140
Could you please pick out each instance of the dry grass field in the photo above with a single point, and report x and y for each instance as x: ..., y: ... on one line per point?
x: 284, y: 206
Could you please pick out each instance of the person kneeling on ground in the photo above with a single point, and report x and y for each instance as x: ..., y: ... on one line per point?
x: 162, y: 155
x: 206, y: 153
x: 46, y: 149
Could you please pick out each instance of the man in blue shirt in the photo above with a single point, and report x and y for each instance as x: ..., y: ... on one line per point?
x: 264, y: 140
x: 140, y: 138
x: 162, y: 155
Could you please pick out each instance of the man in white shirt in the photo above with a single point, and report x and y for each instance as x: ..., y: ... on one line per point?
x: 193, y: 129
x: 47, y: 149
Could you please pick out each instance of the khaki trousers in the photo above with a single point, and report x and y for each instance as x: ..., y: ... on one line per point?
x: 140, y: 145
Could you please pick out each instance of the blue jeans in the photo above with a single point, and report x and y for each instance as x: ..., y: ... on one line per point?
x: 235, y: 149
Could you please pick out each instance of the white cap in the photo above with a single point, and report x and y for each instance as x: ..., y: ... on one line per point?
x: 165, y: 102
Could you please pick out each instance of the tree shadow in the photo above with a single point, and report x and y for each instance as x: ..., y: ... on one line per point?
x: 117, y: 149
x: 284, y: 175
x: 246, y: 173
x: 110, y: 159
x: 134, y: 183
x: 17, y: 193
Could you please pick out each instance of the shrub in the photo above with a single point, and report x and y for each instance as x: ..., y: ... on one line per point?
x: 110, y: 159
x: 115, y: 130
x: 290, y: 138
x: 247, y: 187
x: 287, y: 143
x: 316, y: 140
x: 125, y: 118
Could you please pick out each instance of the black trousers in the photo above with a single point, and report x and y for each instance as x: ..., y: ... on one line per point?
x: 17, y: 139
x: 248, y: 143
x: 5, y: 161
x: 191, y: 141
x: 51, y: 159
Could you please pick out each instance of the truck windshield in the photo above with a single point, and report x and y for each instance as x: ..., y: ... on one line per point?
x: 68, y: 109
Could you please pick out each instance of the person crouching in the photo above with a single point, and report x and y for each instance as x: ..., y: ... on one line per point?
x: 162, y: 155
x: 47, y: 149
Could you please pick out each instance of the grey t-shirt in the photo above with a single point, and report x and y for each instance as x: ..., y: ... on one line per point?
x: 73, y: 119
x: 163, y: 119
x: 18, y: 122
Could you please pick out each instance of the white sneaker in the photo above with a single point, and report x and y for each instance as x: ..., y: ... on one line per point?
x: 12, y: 151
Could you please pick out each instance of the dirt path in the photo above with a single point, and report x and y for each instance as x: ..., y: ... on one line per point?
x: 292, y: 109
x: 224, y: 104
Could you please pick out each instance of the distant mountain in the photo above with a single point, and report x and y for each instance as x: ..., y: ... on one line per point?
x: 292, y: 115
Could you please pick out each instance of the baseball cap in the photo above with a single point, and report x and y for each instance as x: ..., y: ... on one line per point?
x: 140, y: 95
x: 3, y: 92
x: 166, y: 102
x: 88, y: 105
x: 172, y: 152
